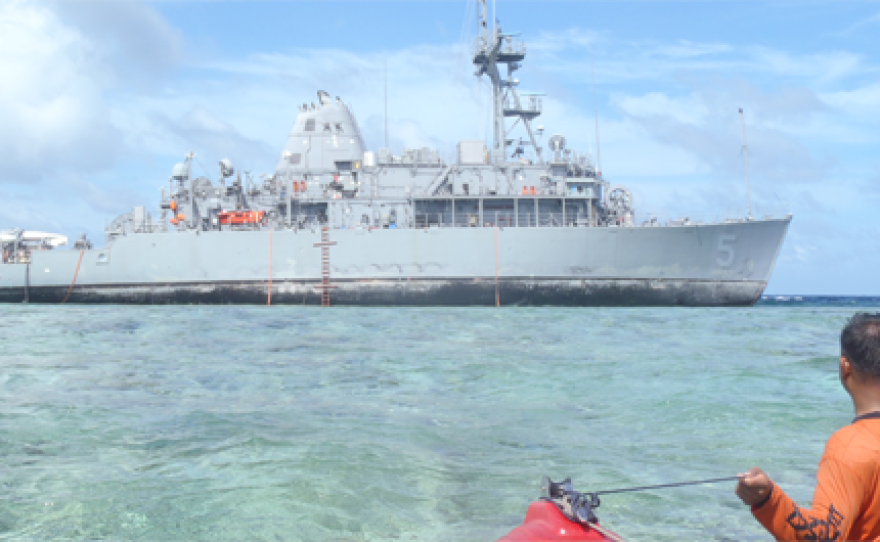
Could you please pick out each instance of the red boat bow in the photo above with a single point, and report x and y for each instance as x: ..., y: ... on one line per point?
x: 544, y: 522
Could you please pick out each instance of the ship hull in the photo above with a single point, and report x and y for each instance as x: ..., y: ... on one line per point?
x: 707, y: 265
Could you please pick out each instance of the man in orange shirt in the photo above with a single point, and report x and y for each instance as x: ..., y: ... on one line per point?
x: 846, y: 503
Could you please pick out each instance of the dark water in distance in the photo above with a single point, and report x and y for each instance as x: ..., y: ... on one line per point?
x: 859, y: 303
x: 292, y: 423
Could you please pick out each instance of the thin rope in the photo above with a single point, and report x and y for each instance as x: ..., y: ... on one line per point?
x: 463, y: 39
x: 205, y: 171
x: 661, y: 486
x: 75, y: 274
x: 606, y: 533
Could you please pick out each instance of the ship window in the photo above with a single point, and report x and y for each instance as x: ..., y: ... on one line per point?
x: 295, y: 158
x: 338, y: 128
x: 310, y: 125
x: 327, y: 127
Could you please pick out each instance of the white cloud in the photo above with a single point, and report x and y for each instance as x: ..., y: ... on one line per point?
x: 858, y: 25
x: 685, y: 49
x: 50, y: 97
x: 704, y: 123
x: 136, y: 44
x: 59, y: 62
x: 804, y: 252
x: 688, y: 109
x: 824, y: 67
x: 860, y: 101
x: 201, y: 129
x: 569, y: 54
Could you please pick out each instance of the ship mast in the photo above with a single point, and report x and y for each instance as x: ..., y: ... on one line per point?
x: 596, y: 115
x: 489, y: 52
x: 745, y: 151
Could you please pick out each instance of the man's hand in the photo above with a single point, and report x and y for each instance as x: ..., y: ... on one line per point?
x: 753, y: 487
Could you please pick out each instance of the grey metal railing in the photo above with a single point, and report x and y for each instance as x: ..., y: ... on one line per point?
x: 528, y: 104
x: 500, y: 219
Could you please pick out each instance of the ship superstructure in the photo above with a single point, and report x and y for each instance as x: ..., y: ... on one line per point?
x: 507, y: 223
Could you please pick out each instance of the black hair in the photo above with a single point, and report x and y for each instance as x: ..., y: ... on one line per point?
x: 860, y: 343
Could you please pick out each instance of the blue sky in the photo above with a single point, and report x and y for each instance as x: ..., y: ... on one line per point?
x: 99, y: 100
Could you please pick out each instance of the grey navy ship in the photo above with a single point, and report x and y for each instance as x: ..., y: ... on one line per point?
x: 510, y: 223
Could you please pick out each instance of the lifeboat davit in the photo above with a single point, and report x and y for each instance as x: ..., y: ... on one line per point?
x: 561, y: 514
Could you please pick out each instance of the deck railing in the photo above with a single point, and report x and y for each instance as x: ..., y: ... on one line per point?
x: 500, y: 219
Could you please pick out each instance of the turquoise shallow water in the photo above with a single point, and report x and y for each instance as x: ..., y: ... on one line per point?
x: 231, y: 423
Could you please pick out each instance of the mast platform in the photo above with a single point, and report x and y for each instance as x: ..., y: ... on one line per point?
x: 509, y: 51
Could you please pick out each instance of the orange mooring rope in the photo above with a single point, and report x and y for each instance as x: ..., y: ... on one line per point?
x: 75, y: 274
x: 269, y: 300
x: 497, y: 293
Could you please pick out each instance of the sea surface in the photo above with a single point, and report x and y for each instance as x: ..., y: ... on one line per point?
x: 292, y: 423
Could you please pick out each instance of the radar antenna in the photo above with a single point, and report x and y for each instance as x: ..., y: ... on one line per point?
x: 557, y: 145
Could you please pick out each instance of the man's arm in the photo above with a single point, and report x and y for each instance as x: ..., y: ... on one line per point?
x: 836, y: 502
